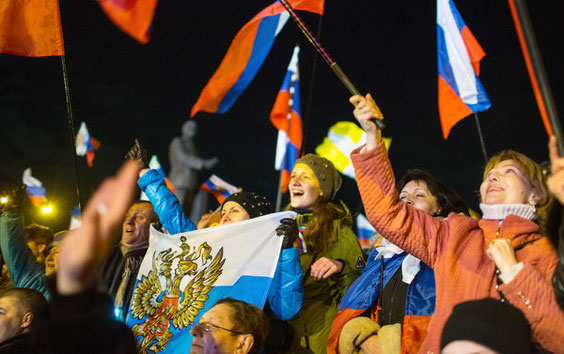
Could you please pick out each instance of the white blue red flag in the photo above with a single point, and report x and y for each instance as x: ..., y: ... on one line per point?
x: 34, y: 188
x: 460, y: 91
x: 182, y: 276
x: 219, y: 188
x: 365, y: 232
x: 246, y: 54
x: 286, y: 117
x: 85, y: 144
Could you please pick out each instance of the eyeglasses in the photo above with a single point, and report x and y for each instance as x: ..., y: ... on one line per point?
x: 208, y: 327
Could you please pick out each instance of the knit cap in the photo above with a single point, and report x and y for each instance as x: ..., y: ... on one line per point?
x: 254, y: 204
x: 489, y: 322
x: 328, y: 177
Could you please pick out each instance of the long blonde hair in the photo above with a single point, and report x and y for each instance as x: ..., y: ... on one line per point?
x: 320, y: 233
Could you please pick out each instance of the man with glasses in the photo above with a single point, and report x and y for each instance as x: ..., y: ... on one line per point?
x: 230, y: 326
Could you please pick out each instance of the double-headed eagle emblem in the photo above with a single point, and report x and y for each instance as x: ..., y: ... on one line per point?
x: 161, y: 309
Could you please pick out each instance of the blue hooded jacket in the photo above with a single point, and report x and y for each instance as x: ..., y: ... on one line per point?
x: 286, y: 293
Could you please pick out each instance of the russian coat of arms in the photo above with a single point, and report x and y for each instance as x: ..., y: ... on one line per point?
x: 175, y: 306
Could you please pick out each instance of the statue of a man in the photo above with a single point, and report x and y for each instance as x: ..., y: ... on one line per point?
x: 185, y: 163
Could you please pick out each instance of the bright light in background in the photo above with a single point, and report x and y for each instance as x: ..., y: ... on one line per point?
x: 47, y: 209
x: 4, y: 200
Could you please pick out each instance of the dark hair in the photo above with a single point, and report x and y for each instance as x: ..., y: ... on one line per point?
x: 448, y: 201
x: 35, y: 232
x: 29, y: 300
x: 248, y: 319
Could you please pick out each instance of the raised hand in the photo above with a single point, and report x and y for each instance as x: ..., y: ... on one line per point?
x: 138, y: 153
x: 85, y: 248
x: 365, y: 110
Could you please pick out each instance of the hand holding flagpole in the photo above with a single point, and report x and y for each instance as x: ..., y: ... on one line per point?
x: 323, y: 53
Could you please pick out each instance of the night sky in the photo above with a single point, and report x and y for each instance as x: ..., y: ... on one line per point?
x: 124, y: 90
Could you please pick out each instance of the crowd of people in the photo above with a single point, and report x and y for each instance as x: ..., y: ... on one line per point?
x: 437, y: 280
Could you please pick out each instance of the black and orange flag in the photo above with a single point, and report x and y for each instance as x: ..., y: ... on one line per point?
x: 31, y: 28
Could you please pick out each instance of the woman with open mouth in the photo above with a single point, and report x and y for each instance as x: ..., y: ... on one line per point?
x: 502, y: 256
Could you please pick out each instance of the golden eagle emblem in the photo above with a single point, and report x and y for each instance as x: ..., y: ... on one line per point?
x: 173, y: 266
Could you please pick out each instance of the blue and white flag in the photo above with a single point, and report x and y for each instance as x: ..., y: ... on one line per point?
x: 182, y: 276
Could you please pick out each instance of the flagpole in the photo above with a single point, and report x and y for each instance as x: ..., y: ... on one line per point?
x: 279, y: 195
x: 537, y: 73
x: 309, y: 103
x: 70, y: 115
x: 72, y: 131
x: 481, y: 137
x: 321, y: 51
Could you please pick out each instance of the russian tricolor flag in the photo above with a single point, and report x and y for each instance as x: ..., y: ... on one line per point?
x: 364, y: 231
x: 218, y: 188
x: 34, y: 188
x: 85, y: 144
x: 286, y: 117
x: 459, y: 55
x: 245, y: 56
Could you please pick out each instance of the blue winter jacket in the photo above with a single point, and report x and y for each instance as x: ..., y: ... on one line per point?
x: 286, y: 292
x: 24, y: 270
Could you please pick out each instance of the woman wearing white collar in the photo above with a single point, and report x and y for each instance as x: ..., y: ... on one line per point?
x: 502, y: 256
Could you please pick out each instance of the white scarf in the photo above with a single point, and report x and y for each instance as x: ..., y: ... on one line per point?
x: 409, y: 266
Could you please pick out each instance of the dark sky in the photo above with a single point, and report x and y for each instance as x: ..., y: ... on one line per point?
x: 124, y: 90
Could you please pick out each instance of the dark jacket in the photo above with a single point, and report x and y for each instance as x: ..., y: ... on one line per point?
x: 113, y: 272
x: 82, y: 323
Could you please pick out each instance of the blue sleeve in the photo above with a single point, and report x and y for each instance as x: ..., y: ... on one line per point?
x: 286, y: 294
x: 166, y: 204
x: 24, y: 270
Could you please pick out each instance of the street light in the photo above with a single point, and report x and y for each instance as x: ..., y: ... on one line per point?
x: 3, y: 200
x: 47, y: 209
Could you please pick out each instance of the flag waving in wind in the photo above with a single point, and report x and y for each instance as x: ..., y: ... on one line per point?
x: 85, y: 144
x: 286, y: 117
x: 343, y: 137
x: 34, y: 188
x: 219, y: 188
x: 31, y: 28
x: 134, y: 17
x: 459, y: 55
x: 245, y: 56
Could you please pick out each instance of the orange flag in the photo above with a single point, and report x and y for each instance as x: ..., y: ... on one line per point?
x: 31, y: 28
x: 134, y: 17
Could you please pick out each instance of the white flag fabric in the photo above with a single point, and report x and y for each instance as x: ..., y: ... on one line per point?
x: 183, y: 275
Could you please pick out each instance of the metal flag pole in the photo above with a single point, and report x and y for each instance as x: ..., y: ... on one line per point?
x: 537, y: 73
x: 481, y: 137
x: 71, y: 121
x: 321, y: 51
x: 309, y: 104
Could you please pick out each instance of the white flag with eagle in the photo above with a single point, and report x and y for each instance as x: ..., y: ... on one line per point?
x: 183, y: 275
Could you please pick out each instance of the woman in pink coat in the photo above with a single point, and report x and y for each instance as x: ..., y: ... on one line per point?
x: 501, y: 256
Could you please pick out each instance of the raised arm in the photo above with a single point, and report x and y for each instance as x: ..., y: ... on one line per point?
x: 412, y: 230
x: 24, y: 270
x: 166, y: 204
